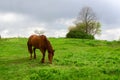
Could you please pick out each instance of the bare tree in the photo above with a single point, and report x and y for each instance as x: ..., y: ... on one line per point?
x: 87, y: 21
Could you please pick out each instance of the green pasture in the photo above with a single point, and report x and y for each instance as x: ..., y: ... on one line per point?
x: 74, y: 59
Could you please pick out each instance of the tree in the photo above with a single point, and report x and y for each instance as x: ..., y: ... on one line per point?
x: 86, y: 23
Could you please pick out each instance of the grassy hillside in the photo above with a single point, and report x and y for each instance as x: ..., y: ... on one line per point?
x: 74, y: 59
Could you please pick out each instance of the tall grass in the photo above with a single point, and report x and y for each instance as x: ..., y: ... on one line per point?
x: 74, y: 59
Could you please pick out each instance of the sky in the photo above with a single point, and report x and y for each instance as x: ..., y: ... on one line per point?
x: 21, y: 18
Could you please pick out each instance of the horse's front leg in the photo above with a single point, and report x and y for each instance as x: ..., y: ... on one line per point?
x: 34, y: 53
x: 43, y: 53
x: 50, y: 58
x: 30, y: 56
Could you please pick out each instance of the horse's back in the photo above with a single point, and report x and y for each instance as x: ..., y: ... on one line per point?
x: 37, y: 41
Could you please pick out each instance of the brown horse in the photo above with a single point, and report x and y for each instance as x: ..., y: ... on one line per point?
x: 42, y: 43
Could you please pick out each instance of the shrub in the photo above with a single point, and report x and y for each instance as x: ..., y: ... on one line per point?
x: 79, y: 34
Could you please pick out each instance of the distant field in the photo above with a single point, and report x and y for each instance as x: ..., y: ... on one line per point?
x: 74, y: 59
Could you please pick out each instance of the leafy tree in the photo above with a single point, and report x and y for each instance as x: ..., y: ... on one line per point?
x: 86, y: 23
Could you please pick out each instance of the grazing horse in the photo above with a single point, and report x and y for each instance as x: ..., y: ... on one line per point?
x: 42, y: 43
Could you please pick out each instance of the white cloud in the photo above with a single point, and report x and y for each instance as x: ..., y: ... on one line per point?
x: 32, y: 29
x: 14, y: 25
x: 6, y: 33
x: 110, y: 34
x: 113, y: 2
x: 56, y: 33
x: 11, y: 17
x: 66, y: 22
x: 60, y: 33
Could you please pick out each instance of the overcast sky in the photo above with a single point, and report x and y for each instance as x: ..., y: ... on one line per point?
x: 23, y: 17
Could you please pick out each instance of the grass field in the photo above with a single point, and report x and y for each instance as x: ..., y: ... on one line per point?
x: 74, y: 59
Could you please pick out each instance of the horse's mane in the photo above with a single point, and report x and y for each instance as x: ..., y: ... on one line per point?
x: 49, y: 47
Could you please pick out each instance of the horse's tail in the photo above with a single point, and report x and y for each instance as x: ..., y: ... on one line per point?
x: 29, y: 47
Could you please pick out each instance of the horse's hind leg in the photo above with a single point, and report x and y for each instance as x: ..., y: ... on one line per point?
x: 34, y: 53
x: 30, y: 53
x: 30, y: 49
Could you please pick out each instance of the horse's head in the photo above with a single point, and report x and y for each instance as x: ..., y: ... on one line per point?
x: 50, y: 55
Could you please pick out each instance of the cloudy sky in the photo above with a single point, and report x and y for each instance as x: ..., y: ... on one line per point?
x: 23, y: 17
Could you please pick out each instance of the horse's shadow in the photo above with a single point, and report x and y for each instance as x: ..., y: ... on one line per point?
x: 24, y: 61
